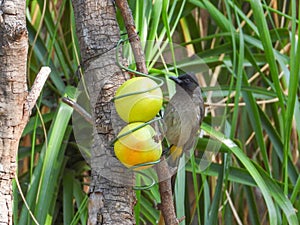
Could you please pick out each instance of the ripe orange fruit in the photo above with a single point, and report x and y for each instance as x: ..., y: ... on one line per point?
x: 139, y: 146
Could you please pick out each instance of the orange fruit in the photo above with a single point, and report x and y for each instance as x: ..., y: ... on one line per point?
x: 137, y: 147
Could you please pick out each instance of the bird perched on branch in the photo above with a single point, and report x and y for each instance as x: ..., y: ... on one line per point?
x: 183, y: 116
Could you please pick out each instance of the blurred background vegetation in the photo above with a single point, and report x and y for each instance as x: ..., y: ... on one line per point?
x: 252, y: 50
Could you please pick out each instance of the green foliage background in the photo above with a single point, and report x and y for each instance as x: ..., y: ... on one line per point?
x: 250, y: 46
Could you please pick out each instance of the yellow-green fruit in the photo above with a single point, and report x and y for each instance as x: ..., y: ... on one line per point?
x: 139, y: 107
x: 137, y: 147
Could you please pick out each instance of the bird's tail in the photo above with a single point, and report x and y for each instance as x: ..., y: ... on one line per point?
x: 175, y: 154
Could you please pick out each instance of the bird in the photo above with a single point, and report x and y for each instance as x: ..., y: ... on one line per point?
x: 183, y: 116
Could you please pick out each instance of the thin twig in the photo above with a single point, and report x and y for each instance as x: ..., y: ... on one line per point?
x: 79, y: 109
x: 236, y: 216
x: 261, y: 102
x: 24, y: 200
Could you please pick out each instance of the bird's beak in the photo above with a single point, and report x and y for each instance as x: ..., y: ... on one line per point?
x: 175, y: 79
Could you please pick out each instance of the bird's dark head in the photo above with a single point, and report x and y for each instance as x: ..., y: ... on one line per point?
x: 188, y: 82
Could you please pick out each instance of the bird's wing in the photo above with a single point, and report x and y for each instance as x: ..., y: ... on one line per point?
x: 197, y: 115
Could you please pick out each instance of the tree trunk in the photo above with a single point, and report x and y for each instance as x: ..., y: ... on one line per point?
x: 13, y: 92
x: 111, y: 201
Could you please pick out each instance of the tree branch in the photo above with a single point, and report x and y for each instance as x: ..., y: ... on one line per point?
x: 165, y: 187
x: 134, y: 38
x: 36, y: 88
x: 165, y: 190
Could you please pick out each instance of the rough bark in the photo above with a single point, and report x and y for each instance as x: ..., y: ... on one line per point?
x: 13, y: 92
x: 111, y: 201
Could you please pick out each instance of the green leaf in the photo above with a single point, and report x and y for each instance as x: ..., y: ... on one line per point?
x: 180, y: 190
x: 267, y: 186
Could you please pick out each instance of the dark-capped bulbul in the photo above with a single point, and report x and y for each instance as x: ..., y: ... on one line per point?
x: 183, y: 116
